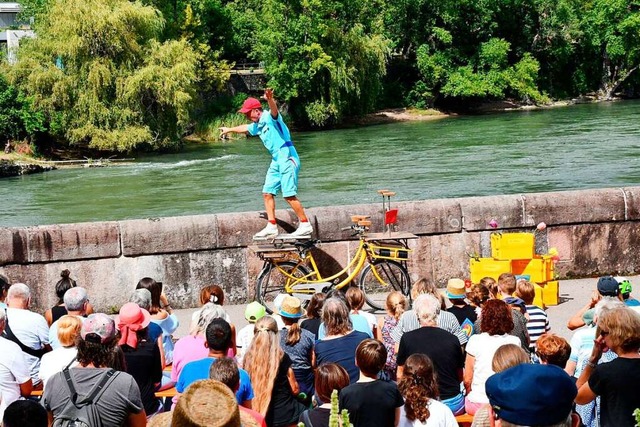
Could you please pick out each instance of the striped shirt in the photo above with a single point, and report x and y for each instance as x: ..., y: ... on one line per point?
x: 447, y: 321
x: 537, y: 324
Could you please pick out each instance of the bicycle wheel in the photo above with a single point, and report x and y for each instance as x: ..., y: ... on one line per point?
x: 394, y: 278
x: 271, y: 282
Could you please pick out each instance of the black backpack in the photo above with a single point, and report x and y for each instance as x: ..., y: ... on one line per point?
x: 81, y: 412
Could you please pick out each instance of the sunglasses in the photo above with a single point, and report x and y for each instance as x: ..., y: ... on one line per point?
x: 604, y: 333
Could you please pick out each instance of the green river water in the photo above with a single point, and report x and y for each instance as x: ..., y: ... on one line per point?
x: 582, y: 146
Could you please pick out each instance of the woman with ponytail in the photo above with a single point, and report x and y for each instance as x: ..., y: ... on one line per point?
x: 396, y: 304
x: 419, y: 388
x: 274, y: 382
x: 298, y: 344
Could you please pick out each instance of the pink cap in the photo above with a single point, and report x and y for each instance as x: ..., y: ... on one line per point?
x: 249, y: 104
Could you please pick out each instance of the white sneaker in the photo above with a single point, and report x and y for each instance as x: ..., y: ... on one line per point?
x: 304, y: 230
x: 271, y: 230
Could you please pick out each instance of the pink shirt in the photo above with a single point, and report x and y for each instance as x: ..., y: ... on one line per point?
x: 187, y: 349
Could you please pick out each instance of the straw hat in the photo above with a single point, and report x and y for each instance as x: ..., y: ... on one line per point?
x: 455, y: 289
x: 205, y: 403
x: 291, y: 308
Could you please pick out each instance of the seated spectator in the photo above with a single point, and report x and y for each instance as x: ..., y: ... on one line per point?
x: 76, y: 303
x: 506, y: 285
x: 442, y: 347
x: 213, y: 294
x: 15, y: 380
x: 606, y: 288
x: 615, y: 382
x: 358, y: 323
x: 142, y: 298
x: 395, y: 305
x: 226, y: 371
x: 355, y: 302
x: 62, y: 286
x: 218, y: 340
x: 328, y: 377
x: 496, y: 322
x: 4, y: 289
x: 23, y: 413
x: 625, y: 291
x: 27, y: 329
x: 553, y: 350
x: 254, y: 312
x: 272, y: 375
x: 161, y: 315
x: 371, y: 401
x: 479, y: 294
x: 119, y: 402
x: 491, y: 285
x: 298, y: 344
x: 532, y: 395
x: 537, y: 323
x: 419, y: 388
x: 313, y: 319
x: 68, y: 329
x: 142, y: 355
x: 341, y: 341
x: 466, y: 314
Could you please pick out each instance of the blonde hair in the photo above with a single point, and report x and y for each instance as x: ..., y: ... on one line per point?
x: 526, y: 291
x: 623, y: 326
x: 507, y: 356
x: 68, y: 330
x: 507, y: 283
x: 423, y: 286
x: 396, y: 304
x: 262, y: 362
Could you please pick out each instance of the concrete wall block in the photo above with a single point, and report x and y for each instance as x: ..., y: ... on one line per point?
x: 420, y: 263
x: 13, y: 246
x: 478, y: 212
x: 168, y: 235
x: 36, y: 277
x: 449, y: 253
x: 430, y: 216
x: 561, y: 238
x: 573, y: 207
x: 632, y: 196
x: 328, y: 221
x: 227, y: 269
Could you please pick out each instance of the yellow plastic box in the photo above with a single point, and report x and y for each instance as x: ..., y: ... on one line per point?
x: 551, y: 293
x: 539, y: 270
x: 508, y: 246
x: 538, y: 299
x: 487, y: 267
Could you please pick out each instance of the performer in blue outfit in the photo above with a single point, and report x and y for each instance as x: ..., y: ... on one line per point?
x: 285, y: 163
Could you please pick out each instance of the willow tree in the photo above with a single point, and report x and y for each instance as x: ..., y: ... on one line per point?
x: 98, y: 72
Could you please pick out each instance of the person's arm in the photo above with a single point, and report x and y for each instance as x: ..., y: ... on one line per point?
x: 164, y: 303
x: 48, y: 317
x: 378, y: 335
x: 469, y: 364
x: 570, y: 367
x: 397, y: 420
x: 399, y: 372
x: 234, y: 347
x: 576, y: 321
x: 160, y: 344
x: 295, y: 388
x: 236, y: 129
x: 49, y: 418
x: 273, y: 107
x: 26, y: 388
x: 313, y: 357
x: 137, y: 420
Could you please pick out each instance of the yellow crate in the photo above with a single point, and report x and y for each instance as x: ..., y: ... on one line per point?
x: 538, y: 300
x: 539, y: 270
x: 508, y: 246
x: 483, y: 267
x: 551, y: 293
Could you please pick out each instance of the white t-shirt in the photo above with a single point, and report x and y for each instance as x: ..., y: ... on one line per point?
x: 13, y: 372
x: 243, y: 340
x: 483, y: 346
x: 32, y: 330
x: 56, y: 361
x: 439, y: 416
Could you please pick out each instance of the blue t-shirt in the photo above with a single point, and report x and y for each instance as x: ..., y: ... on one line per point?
x: 341, y: 351
x: 358, y: 322
x: 275, y: 136
x: 199, y: 370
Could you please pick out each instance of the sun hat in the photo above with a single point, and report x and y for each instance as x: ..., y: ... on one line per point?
x: 456, y: 289
x: 254, y: 312
x: 205, y: 403
x: 249, y: 104
x: 291, y: 308
x: 531, y: 394
x: 277, y: 301
x: 98, y: 327
x: 132, y: 318
x: 608, y: 286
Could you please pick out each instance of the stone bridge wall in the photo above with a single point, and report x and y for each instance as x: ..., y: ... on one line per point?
x: 595, y: 231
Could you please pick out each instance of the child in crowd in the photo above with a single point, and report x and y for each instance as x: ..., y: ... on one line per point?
x: 491, y: 285
x: 254, y: 312
x: 314, y: 313
x: 370, y: 401
x: 506, y: 285
x: 328, y: 377
x: 355, y: 301
x: 466, y: 315
x: 553, y: 350
x: 396, y: 304
x: 479, y: 294
x: 537, y: 322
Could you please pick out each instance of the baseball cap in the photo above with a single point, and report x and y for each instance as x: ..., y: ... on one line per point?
x: 456, y: 289
x: 608, y: 286
x: 254, y: 312
x: 531, y: 394
x: 98, y: 327
x: 249, y: 104
x: 624, y: 284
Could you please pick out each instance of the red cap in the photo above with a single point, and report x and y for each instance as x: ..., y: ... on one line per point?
x: 249, y: 104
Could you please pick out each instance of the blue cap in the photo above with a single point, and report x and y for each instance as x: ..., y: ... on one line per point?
x: 531, y: 395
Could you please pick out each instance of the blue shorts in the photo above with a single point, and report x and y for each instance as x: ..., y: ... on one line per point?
x: 282, y: 176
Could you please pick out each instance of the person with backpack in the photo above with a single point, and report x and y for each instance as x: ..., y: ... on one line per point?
x: 92, y: 393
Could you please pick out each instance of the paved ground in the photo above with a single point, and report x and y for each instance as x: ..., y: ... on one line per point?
x: 573, y: 295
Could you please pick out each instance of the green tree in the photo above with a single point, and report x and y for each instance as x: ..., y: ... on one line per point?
x: 103, y: 80
x: 17, y: 117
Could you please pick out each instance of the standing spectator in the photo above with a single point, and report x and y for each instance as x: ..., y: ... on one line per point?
x: 442, y: 347
x: 395, y: 305
x: 272, y: 376
x: 466, y: 315
x: 314, y: 313
x: 537, y: 323
x: 298, y: 344
x: 25, y: 413
x: 419, y: 388
x: 371, y: 401
x: 76, y: 303
x: 341, y: 341
x: 14, y: 371
x: 355, y: 301
x: 328, y: 377
x: 27, y: 329
x: 496, y: 322
x: 616, y: 381
x: 62, y: 286
x: 120, y: 401
x: 68, y: 331
x: 141, y: 354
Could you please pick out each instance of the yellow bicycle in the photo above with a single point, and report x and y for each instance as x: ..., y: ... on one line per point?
x: 379, y: 265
